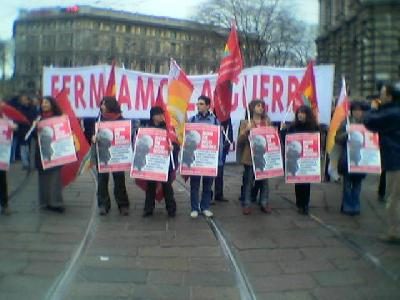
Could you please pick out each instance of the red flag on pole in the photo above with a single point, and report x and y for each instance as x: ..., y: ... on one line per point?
x: 111, y: 90
x: 230, y: 67
x: 13, y: 114
x: 307, y: 91
x: 70, y: 171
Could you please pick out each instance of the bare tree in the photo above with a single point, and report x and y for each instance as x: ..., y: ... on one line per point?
x: 269, y: 33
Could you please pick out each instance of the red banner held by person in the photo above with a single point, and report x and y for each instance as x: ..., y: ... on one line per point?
x: 363, y: 154
x: 151, y: 156
x: 56, y: 142
x: 114, y: 147
x: 302, y: 158
x: 6, y: 136
x: 199, y: 155
x: 265, y: 146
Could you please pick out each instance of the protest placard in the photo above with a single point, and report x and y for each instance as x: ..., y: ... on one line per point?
x: 302, y: 158
x: 199, y: 155
x: 151, y: 157
x: 56, y: 142
x: 114, y: 146
x: 266, y: 152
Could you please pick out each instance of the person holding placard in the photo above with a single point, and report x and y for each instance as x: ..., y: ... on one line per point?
x: 203, y: 116
x: 304, y: 122
x: 384, y: 118
x: 110, y: 110
x: 50, y: 187
x: 351, y: 182
x: 157, y: 120
x: 258, y: 118
x: 3, y: 175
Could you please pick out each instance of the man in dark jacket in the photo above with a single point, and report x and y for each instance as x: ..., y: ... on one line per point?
x: 384, y: 119
x: 157, y: 120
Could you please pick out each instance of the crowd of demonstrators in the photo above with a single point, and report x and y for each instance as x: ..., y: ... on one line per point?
x: 157, y: 120
x: 258, y: 118
x: 384, y: 119
x: 50, y: 187
x: 110, y: 110
x: 351, y: 182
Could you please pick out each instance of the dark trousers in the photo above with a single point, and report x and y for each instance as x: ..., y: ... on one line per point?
x: 219, y: 180
x: 3, y: 189
x: 351, y: 193
x: 151, y: 191
x: 120, y: 194
x: 302, y: 191
x: 382, y: 184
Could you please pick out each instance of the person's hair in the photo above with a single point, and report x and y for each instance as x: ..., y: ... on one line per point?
x: 206, y: 99
x: 111, y: 104
x: 311, y: 121
x: 358, y: 105
x: 55, y: 108
x: 252, y: 106
x: 393, y: 90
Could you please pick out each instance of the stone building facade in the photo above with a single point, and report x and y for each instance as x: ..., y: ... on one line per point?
x: 84, y: 35
x: 362, y: 39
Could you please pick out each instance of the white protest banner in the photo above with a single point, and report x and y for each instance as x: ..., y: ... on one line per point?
x: 137, y: 91
x: 363, y: 154
x: 266, y: 152
x: 199, y: 154
x: 114, y: 146
x: 302, y: 158
x: 56, y: 142
x: 151, y: 156
x: 6, y: 136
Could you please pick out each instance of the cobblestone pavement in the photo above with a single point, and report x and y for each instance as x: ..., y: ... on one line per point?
x: 80, y: 255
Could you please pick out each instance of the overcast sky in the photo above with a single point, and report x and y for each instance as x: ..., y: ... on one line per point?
x: 307, y: 9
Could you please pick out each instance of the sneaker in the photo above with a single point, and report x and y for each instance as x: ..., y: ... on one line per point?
x: 103, y: 211
x: 124, y: 211
x: 57, y: 209
x: 208, y: 213
x: 389, y: 238
x: 246, y: 210
x: 194, y: 214
x: 266, y: 209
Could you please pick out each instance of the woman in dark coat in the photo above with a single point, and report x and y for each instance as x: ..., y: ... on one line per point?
x: 305, y: 121
x: 50, y: 187
x: 110, y: 111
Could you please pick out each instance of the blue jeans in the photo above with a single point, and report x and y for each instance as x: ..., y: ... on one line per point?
x: 351, y: 193
x: 205, y: 195
x: 248, y: 182
x: 25, y: 155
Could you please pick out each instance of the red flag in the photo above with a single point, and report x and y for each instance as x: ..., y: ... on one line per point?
x: 306, y: 91
x: 111, y: 90
x: 70, y: 171
x: 229, y: 69
x: 13, y: 114
x: 170, y: 129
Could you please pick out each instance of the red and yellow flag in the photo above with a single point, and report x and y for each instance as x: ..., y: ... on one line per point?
x: 111, y: 90
x: 340, y: 114
x: 306, y: 91
x: 70, y: 171
x: 230, y: 67
x: 180, y: 89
